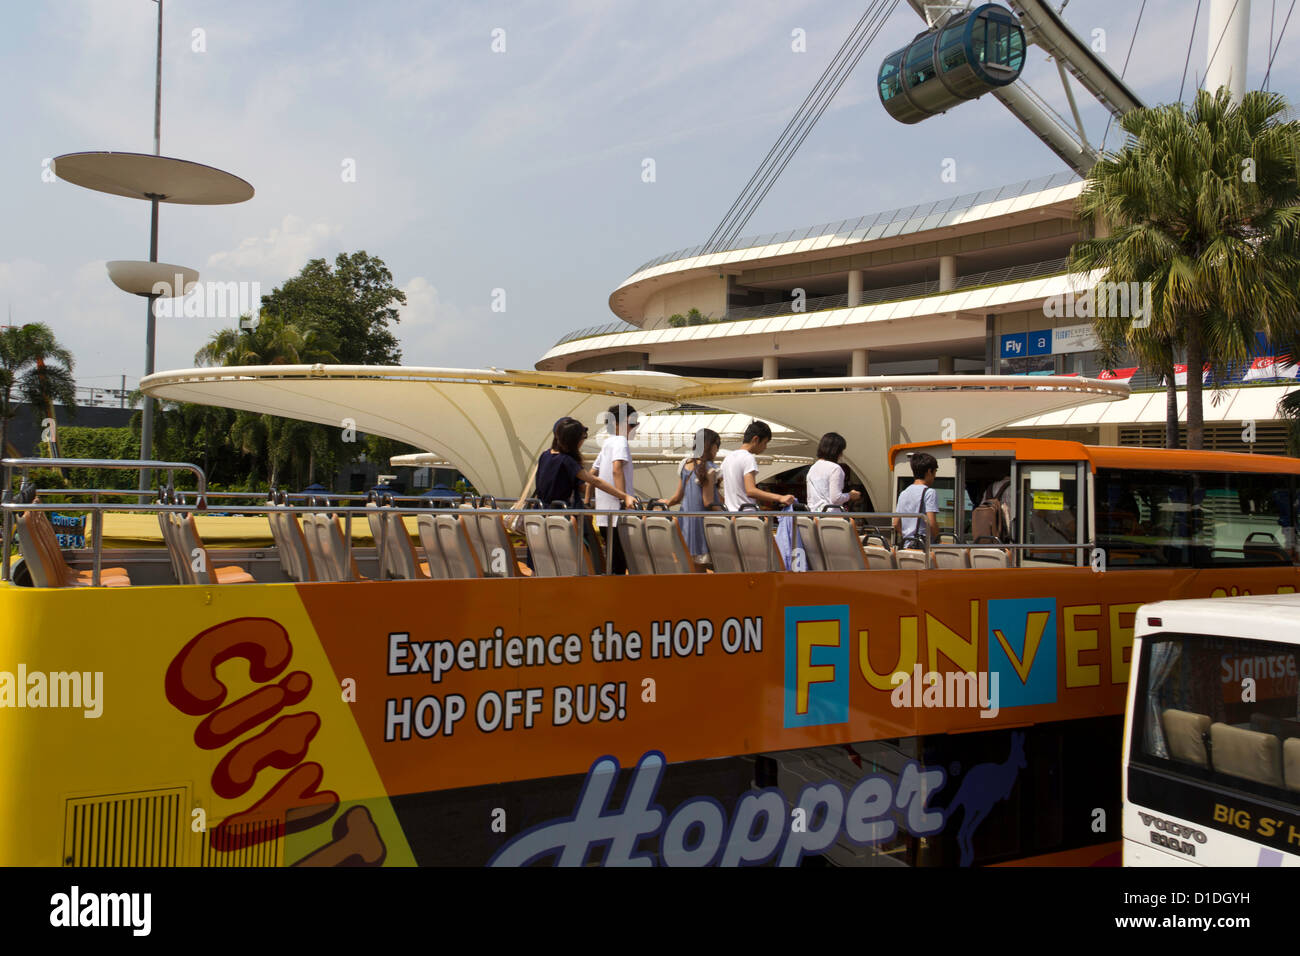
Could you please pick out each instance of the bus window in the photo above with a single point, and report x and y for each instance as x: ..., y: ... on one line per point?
x: 1048, y: 513
x: 1190, y: 719
x: 1195, y: 519
x: 1247, y: 519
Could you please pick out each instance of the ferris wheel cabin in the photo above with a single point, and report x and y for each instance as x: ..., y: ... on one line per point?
x: 962, y: 59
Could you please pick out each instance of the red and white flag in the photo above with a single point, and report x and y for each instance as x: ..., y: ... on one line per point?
x: 1266, y: 367
x: 1117, y: 375
x: 1180, y: 375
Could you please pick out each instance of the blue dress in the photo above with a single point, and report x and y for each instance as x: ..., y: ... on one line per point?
x: 693, y: 500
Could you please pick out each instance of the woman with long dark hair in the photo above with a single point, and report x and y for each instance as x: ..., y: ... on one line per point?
x: 697, y: 490
x: 561, y: 471
x: 826, y: 476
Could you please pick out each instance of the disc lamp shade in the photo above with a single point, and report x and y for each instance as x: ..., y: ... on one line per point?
x: 162, y: 279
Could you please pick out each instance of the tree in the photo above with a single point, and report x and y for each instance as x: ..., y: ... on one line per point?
x: 117, y: 444
x: 351, y: 304
x: 275, y: 340
x: 1202, y: 203
x: 33, y: 361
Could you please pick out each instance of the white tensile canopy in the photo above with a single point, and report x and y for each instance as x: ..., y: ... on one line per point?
x: 493, y: 424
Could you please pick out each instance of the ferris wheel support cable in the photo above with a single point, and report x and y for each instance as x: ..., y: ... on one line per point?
x: 788, y: 133
x: 1281, y: 33
x: 809, y: 126
x: 882, y: 12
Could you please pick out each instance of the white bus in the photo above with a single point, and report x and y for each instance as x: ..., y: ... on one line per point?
x: 1211, y: 772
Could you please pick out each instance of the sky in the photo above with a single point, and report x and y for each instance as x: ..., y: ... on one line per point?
x: 395, y: 127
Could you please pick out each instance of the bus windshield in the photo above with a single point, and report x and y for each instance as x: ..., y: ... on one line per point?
x: 1221, y: 710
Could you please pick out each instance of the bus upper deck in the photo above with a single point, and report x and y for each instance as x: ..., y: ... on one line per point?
x: 1058, y: 504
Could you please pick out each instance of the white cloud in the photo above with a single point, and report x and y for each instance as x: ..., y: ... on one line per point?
x: 283, y: 251
x: 430, y: 329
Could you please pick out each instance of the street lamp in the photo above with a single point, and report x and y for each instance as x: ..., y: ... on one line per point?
x: 158, y: 179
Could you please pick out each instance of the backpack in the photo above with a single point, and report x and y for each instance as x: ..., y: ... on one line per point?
x: 989, y: 519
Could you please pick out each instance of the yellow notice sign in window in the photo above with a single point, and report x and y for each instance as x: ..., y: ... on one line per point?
x: 1049, y: 501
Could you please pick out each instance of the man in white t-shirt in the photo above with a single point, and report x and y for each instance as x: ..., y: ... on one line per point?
x: 919, y: 498
x: 614, y: 464
x: 740, y: 471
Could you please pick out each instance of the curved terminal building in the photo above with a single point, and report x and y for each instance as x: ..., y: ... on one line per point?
x: 972, y: 285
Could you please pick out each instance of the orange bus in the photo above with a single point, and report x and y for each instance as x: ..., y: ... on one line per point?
x: 458, y: 687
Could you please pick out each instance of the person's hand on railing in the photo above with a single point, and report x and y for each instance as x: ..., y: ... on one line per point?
x: 630, y: 503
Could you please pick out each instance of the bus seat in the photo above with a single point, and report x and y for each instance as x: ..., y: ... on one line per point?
x: 810, y: 542
x: 911, y: 559
x: 332, y: 549
x: 295, y: 560
x: 44, y: 558
x: 300, y: 560
x: 191, y: 543
x: 879, y: 557
x: 321, y: 561
x: 841, y: 549
x: 172, y: 543
x: 989, y: 558
x: 756, y: 545
x: 474, y: 532
x: 1246, y: 754
x: 632, y: 535
x: 379, y: 534
x: 1185, y: 734
x: 456, y: 548
x: 564, y: 536
x: 47, y: 534
x: 1291, y: 762
x: 278, y: 535
x: 538, y: 547
x: 663, y: 539
x: 404, y: 563
x: 949, y: 559
x: 492, y: 532
x: 435, y: 562
x: 721, y: 541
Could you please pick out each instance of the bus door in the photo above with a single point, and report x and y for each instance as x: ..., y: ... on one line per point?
x: 1050, y: 510
x: 982, y: 475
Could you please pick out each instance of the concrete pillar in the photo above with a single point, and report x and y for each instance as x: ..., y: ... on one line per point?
x: 945, y: 365
x: 858, y: 363
x: 855, y: 287
x: 947, y: 273
x: 771, y: 367
x: 1227, y: 41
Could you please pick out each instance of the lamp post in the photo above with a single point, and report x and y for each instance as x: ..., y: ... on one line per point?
x: 146, y: 412
x: 158, y: 179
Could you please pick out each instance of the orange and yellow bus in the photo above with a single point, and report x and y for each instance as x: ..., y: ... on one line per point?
x: 457, y: 687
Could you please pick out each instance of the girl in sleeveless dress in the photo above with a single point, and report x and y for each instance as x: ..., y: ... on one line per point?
x: 697, y: 490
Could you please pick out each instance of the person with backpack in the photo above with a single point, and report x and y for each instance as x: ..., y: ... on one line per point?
x: 989, y: 519
x: 919, y: 497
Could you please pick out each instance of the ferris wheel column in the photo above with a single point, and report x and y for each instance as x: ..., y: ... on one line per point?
x: 1227, y: 40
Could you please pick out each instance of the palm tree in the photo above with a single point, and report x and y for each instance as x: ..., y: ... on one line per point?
x: 1203, y: 203
x: 33, y: 361
x: 273, y: 341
